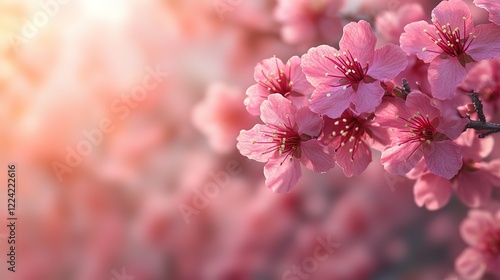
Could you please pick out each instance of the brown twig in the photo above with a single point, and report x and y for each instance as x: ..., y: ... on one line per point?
x: 481, y: 124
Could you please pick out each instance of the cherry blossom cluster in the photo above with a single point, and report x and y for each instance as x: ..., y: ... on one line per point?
x: 336, y: 105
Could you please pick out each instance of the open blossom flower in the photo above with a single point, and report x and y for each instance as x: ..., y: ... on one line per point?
x: 492, y: 6
x: 419, y: 130
x: 352, y: 74
x: 450, y: 44
x: 484, y: 79
x: 272, y: 76
x: 352, y: 136
x: 481, y: 231
x: 288, y: 137
x: 472, y: 184
x: 309, y: 21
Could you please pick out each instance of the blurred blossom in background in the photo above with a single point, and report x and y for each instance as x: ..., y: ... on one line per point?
x: 122, y: 118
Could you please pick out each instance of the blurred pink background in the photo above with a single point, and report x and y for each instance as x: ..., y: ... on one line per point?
x: 121, y: 118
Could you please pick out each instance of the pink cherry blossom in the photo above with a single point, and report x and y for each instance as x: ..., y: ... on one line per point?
x: 350, y: 77
x: 420, y: 130
x: 484, y: 79
x: 272, y: 76
x: 289, y: 136
x: 492, y: 6
x: 450, y: 44
x: 352, y: 136
x: 305, y: 21
x: 472, y: 184
x: 481, y: 231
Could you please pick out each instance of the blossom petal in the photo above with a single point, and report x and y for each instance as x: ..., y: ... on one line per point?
x: 417, y: 101
x: 492, y: 170
x: 308, y: 122
x: 452, y: 126
x: 452, y: 12
x: 256, y: 95
x: 419, y: 170
x: 359, y: 40
x: 477, y: 149
x: 471, y: 264
x: 367, y: 97
x: 491, y: 6
x: 415, y: 41
x: 400, y: 159
x: 267, y: 68
x: 379, y: 137
x: 331, y: 102
x: 473, y: 188
x: 278, y: 111
x: 297, y: 76
x: 355, y: 161
x: 281, y: 176
x: 432, y: 191
x: 388, y: 62
x: 251, y: 143
x: 486, y: 44
x: 444, y: 159
x: 475, y: 226
x: 315, y: 157
x: 315, y: 64
x: 390, y: 110
x: 444, y: 76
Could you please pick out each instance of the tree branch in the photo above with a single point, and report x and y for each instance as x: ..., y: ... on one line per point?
x: 406, y: 86
x: 481, y: 124
x: 478, y: 105
x: 402, y: 91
